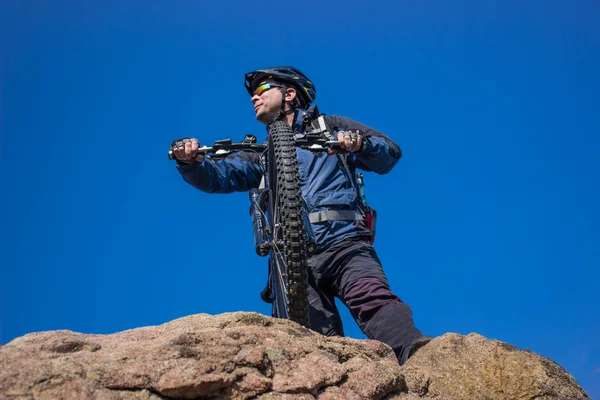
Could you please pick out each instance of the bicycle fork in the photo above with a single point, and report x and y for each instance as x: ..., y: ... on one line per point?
x: 263, y: 234
x: 258, y: 207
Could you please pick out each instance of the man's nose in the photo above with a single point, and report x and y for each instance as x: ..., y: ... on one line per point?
x: 255, y: 98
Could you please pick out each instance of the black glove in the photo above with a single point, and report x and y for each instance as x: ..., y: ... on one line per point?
x: 181, y: 143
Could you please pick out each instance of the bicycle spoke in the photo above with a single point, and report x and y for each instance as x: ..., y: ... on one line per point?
x: 278, y: 251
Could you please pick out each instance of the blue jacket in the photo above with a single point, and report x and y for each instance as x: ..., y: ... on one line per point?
x: 325, y: 182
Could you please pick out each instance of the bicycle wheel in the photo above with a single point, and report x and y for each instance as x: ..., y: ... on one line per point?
x: 288, y: 264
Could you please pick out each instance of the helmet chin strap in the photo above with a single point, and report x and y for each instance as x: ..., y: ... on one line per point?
x: 282, y: 113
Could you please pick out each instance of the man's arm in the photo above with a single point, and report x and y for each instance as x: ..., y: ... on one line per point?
x: 238, y: 172
x: 380, y: 154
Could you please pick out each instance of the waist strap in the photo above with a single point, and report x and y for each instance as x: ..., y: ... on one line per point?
x: 334, y: 215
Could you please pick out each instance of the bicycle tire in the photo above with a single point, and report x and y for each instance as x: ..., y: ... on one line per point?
x: 289, y: 253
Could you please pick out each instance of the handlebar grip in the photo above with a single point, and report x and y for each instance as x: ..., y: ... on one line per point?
x: 201, y: 151
x: 334, y: 144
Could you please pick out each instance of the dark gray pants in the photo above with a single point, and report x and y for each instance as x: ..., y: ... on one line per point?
x: 351, y: 271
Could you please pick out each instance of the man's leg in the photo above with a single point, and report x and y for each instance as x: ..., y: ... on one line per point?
x: 364, y: 289
x: 323, y: 313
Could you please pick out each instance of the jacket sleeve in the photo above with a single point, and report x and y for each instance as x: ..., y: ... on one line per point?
x: 238, y: 172
x: 380, y: 153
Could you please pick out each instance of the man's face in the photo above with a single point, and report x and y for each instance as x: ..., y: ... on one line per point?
x: 267, y: 100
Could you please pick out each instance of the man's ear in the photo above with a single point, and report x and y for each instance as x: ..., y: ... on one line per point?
x: 290, y: 94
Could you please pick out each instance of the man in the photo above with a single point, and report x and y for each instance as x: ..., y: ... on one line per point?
x: 344, y: 264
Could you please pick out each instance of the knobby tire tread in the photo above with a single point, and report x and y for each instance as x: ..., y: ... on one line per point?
x: 290, y: 208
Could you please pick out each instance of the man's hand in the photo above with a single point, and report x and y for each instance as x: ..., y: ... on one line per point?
x: 350, y: 141
x: 186, y: 150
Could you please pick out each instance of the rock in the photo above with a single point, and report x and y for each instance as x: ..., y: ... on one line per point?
x: 454, y: 366
x: 250, y: 356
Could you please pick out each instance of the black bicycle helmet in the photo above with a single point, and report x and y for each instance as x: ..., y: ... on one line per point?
x: 305, y: 88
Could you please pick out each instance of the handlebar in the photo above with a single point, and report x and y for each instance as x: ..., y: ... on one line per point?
x: 314, y: 143
x: 222, y: 148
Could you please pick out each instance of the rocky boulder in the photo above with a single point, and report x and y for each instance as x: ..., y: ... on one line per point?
x: 250, y: 356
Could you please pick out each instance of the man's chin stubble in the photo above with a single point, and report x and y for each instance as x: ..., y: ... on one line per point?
x: 263, y: 117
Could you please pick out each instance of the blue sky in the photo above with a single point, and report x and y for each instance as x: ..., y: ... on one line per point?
x: 489, y: 223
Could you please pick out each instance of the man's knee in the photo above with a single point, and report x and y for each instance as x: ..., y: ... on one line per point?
x: 365, y: 296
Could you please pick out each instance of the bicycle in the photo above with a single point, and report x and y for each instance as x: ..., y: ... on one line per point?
x: 280, y: 226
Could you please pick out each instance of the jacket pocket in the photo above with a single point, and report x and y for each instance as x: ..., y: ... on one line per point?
x: 340, y: 199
